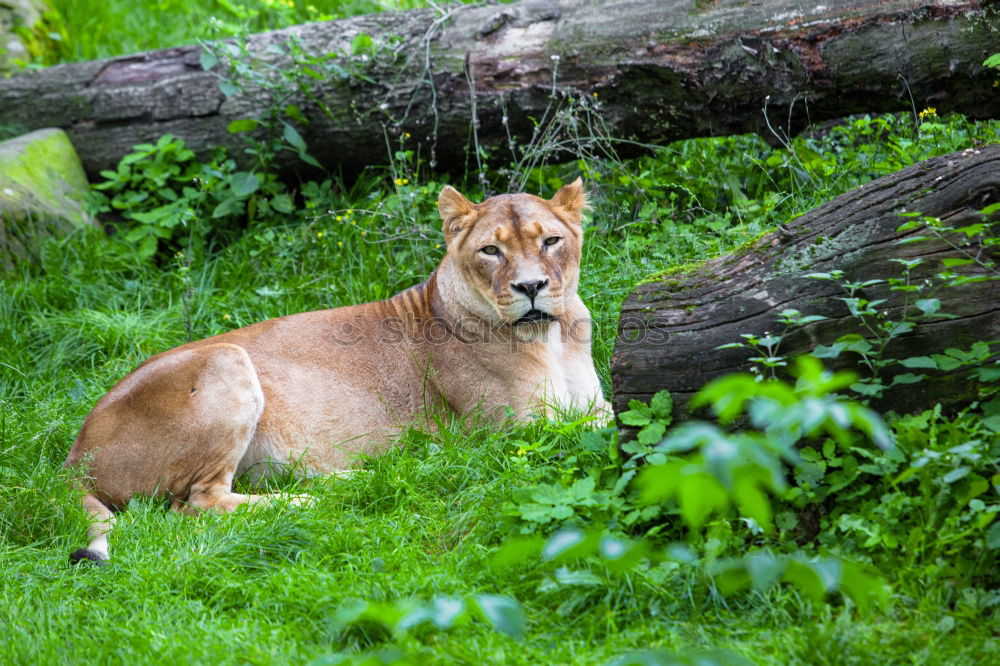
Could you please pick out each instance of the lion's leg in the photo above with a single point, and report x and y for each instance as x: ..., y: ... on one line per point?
x: 220, y: 498
x: 177, y: 427
x: 102, y: 520
x: 218, y: 429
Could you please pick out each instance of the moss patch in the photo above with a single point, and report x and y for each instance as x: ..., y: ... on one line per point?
x: 42, y: 190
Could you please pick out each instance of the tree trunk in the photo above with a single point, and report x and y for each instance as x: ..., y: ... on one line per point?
x: 657, y: 71
x: 671, y: 328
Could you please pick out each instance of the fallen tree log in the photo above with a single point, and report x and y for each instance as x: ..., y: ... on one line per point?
x: 671, y: 328
x: 659, y: 71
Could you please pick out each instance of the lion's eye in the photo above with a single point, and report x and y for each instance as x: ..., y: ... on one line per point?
x: 552, y: 240
x: 490, y: 249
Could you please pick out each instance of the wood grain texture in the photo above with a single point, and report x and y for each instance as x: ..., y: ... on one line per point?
x: 670, y: 328
x: 661, y: 70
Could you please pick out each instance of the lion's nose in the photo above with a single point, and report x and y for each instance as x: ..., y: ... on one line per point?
x: 529, y: 289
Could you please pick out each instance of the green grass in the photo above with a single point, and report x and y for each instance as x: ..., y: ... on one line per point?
x: 272, y: 585
x: 101, y: 29
x: 268, y: 585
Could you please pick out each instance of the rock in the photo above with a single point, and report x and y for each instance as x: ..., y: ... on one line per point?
x: 42, y: 190
x: 27, y: 28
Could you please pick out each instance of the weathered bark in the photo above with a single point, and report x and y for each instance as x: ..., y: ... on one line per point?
x: 660, y: 70
x: 670, y: 328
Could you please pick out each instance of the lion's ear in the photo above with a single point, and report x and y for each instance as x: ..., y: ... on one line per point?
x: 456, y: 211
x: 570, y: 202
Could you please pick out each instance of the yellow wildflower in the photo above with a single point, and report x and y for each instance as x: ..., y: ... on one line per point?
x: 929, y: 112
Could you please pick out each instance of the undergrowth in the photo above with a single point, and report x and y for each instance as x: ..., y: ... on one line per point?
x: 87, y: 30
x: 547, y: 543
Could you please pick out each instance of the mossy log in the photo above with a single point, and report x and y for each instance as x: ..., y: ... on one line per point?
x: 672, y: 327
x: 659, y: 71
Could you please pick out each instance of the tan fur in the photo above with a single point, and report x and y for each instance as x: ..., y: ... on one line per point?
x: 319, y: 388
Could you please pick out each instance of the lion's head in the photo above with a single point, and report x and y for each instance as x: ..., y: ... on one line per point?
x: 517, y: 254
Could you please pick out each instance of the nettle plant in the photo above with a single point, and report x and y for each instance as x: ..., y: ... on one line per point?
x: 696, y: 475
x: 165, y: 196
x: 794, y: 462
x: 872, y: 350
x: 288, y: 75
x: 935, y: 494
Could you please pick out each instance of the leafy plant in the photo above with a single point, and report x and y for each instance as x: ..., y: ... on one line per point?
x: 747, y: 465
x: 501, y: 613
x: 163, y: 194
x: 652, y: 419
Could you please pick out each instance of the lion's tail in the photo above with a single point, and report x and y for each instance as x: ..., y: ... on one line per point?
x: 102, y: 520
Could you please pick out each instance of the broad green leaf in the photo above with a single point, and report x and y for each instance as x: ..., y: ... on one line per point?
x: 229, y: 206
x: 503, y: 613
x: 956, y: 474
x: 806, y: 579
x: 764, y: 569
x: 516, y: 551
x: 535, y: 513
x: 952, y: 263
x: 659, y: 483
x: 928, y: 305
x: 562, y: 542
x: 662, y: 406
x: 244, y: 183
x: 282, y: 203
x: 207, y: 60
x: 907, y: 378
x: 753, y: 503
x: 147, y: 248
x: 700, y: 495
x: 828, y: 351
x: 919, y: 362
x: 871, y: 389
x: 862, y: 587
x: 574, y: 577
x: 294, y: 139
x: 582, y: 488
x: 445, y: 610
x: 652, y: 433
x: 993, y: 536
x: 634, y: 417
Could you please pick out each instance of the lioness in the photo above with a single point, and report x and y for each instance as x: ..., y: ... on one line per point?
x: 497, y: 326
